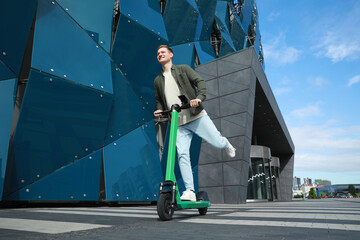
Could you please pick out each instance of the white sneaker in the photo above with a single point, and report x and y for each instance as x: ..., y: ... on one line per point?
x: 231, y: 151
x: 188, y: 195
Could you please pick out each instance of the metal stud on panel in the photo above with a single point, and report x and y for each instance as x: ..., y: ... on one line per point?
x: 4, y: 53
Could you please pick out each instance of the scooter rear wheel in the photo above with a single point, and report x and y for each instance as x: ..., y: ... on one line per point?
x: 164, y: 209
x: 203, y: 211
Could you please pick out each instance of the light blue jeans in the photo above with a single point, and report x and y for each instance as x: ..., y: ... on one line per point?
x: 204, y: 128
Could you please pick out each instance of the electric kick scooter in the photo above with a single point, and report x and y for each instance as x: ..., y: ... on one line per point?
x: 169, y: 196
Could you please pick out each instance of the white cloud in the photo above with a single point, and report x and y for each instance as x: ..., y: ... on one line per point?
x: 272, y: 16
x: 338, y: 38
x: 328, y: 162
x: 281, y: 91
x: 326, y: 138
x: 317, y: 81
x: 331, y: 47
x: 278, y: 51
x: 326, y: 148
x: 309, y: 111
x: 353, y: 80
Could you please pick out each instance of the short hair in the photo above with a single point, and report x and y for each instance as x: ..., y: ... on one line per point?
x: 165, y: 46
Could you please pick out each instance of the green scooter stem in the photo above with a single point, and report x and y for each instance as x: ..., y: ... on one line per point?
x: 170, y: 167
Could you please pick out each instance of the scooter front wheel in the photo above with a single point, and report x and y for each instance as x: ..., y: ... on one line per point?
x: 164, y: 209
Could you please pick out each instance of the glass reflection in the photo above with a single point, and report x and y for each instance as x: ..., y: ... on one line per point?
x: 269, y: 191
x: 274, y: 178
x: 256, y: 181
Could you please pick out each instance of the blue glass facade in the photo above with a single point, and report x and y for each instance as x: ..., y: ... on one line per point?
x: 77, y: 95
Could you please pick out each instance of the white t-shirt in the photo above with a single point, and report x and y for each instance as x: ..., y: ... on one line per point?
x: 172, y: 93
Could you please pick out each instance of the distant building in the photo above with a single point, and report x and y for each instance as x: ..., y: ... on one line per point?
x: 307, y: 181
x: 322, y: 182
x: 296, y: 183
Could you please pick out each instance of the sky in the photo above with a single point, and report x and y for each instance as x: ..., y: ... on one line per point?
x: 312, y: 62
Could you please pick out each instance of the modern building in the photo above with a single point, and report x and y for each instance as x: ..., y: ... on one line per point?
x: 296, y: 183
x: 338, y: 190
x: 308, y: 181
x: 77, y: 100
x: 322, y: 182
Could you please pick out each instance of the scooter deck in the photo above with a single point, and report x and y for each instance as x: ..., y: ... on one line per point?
x: 189, y: 204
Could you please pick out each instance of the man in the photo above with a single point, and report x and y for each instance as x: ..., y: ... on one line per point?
x: 172, y: 82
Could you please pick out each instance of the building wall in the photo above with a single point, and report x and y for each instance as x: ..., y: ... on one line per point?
x: 231, y: 83
x: 231, y: 94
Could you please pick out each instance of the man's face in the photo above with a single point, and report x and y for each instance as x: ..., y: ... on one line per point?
x: 164, y: 55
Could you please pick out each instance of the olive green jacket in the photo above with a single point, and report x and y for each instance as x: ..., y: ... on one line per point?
x: 190, y: 85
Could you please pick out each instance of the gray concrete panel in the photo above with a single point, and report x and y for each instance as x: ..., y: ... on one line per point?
x: 212, y: 89
x: 232, y: 194
x: 211, y: 175
x: 232, y: 172
x: 230, y: 129
x: 212, y: 107
x: 286, y: 177
x: 216, y: 194
x: 238, y: 142
x: 244, y: 174
x: 243, y: 57
x: 229, y: 67
x: 210, y: 69
x: 209, y: 154
x: 235, y: 103
x: 234, y: 82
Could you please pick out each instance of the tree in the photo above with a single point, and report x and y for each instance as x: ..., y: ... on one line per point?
x: 352, y: 190
x: 312, y: 194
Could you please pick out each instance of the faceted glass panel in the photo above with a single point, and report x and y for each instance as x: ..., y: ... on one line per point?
x: 132, y: 168
x: 78, y: 181
x: 127, y: 111
x: 59, y: 123
x: 145, y: 12
x: 15, y: 30
x: 134, y: 52
x: 238, y: 35
x: 180, y: 19
x: 7, y: 90
x: 5, y: 73
x: 184, y: 54
x: 207, y: 13
x: 64, y: 49
x: 227, y: 45
x: 97, y: 20
x: 205, y: 51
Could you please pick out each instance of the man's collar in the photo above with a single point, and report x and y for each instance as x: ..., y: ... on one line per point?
x: 172, y: 68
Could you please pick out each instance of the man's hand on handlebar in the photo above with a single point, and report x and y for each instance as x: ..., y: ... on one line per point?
x: 195, y: 103
x: 157, y: 113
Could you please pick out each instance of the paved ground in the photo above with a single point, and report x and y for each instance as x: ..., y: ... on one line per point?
x: 336, y: 219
